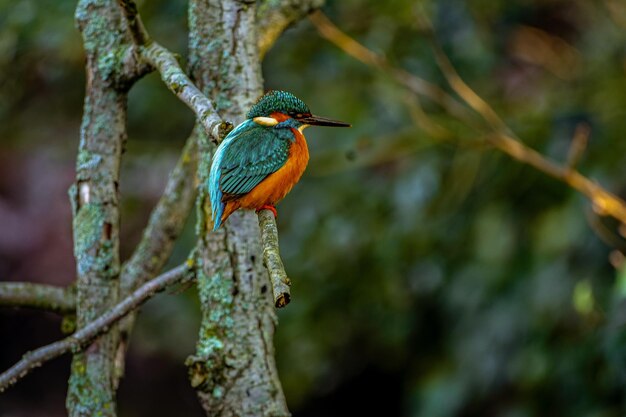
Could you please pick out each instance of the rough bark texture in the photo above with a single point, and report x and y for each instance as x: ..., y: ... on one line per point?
x: 272, y: 261
x: 94, y: 196
x: 233, y: 368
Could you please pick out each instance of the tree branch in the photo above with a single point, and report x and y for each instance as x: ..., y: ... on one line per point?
x: 578, y: 145
x: 604, y: 202
x: 135, y: 25
x: 412, y: 83
x: 271, y: 258
x: 40, y: 296
x: 88, y: 333
x: 172, y: 74
x: 273, y: 17
x: 233, y: 369
x: 153, y: 251
x: 166, y: 221
x: 111, y: 69
x: 179, y: 83
x: 241, y: 88
x: 157, y: 242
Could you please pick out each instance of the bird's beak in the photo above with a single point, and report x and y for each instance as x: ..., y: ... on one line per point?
x: 322, y: 121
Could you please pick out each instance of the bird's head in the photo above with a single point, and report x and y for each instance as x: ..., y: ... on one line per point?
x: 280, y: 108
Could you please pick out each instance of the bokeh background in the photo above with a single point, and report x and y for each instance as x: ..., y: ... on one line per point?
x: 431, y: 278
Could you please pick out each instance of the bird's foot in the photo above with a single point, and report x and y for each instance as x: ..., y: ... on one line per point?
x: 270, y: 208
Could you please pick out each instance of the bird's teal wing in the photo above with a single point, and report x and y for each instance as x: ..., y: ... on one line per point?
x: 249, y: 159
x: 245, y: 158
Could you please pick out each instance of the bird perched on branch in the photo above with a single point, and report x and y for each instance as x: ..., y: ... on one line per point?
x: 260, y: 160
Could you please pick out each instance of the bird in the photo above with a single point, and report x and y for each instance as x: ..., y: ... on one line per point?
x: 261, y: 159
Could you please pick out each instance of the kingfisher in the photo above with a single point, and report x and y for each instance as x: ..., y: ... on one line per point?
x: 261, y: 160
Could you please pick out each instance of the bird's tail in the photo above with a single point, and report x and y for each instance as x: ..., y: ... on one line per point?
x: 223, y: 212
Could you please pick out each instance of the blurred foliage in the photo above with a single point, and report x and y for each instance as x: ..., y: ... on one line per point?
x: 429, y: 278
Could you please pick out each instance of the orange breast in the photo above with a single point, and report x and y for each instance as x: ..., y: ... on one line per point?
x: 276, y: 186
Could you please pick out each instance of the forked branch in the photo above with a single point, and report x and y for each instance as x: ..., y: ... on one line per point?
x: 165, y: 62
x: 87, y: 334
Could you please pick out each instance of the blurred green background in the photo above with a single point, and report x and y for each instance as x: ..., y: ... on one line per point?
x: 430, y: 278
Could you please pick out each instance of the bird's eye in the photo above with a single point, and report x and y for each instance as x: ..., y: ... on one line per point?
x: 299, y: 116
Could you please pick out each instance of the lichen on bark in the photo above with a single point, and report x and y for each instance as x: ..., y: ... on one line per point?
x: 94, y: 199
x: 233, y: 368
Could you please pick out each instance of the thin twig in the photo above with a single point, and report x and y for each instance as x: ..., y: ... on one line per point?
x: 162, y: 229
x: 471, y: 98
x: 179, y: 83
x: 579, y: 145
x: 157, y: 241
x: 85, y: 335
x: 172, y: 74
x: 271, y: 257
x: 604, y: 202
x: 40, y: 296
x: 166, y: 221
x: 168, y: 217
x: 417, y: 85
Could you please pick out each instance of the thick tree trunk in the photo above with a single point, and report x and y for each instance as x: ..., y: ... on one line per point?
x: 94, y: 199
x: 233, y: 369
